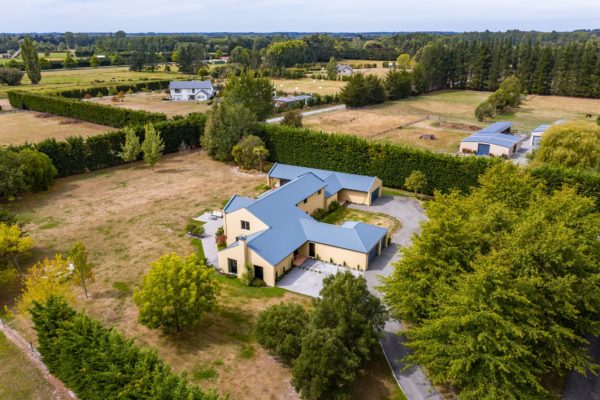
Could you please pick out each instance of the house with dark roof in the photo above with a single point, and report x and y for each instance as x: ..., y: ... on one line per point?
x: 191, y: 90
x: 275, y: 232
x: 493, y: 140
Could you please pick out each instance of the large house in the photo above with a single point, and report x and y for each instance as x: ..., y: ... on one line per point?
x: 494, y: 140
x: 191, y: 90
x: 275, y: 232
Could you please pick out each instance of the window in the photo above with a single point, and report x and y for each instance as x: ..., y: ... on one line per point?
x: 320, y: 190
x: 177, y: 90
x: 232, y: 265
x: 193, y: 90
x: 246, y: 225
x: 305, y: 200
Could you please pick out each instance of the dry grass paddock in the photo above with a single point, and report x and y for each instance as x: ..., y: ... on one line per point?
x: 154, y: 102
x: 128, y: 216
x: 32, y: 127
x: 308, y: 85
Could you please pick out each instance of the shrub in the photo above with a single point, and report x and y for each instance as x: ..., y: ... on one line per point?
x: 243, y: 153
x: 10, y: 76
x: 280, y: 329
x: 24, y: 170
x: 194, y: 227
x: 226, y: 125
x: 114, y: 366
x: 292, y: 118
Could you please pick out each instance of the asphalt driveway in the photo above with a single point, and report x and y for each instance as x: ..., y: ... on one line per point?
x: 308, y: 278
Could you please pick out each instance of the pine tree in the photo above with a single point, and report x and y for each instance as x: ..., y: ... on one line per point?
x: 153, y: 145
x: 31, y: 61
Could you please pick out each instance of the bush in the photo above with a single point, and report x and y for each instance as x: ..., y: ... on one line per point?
x: 586, y: 182
x: 24, y: 170
x: 244, y: 154
x: 292, y: 118
x: 99, y: 363
x: 194, y: 227
x: 10, y: 76
x: 280, y: 329
x: 362, y: 90
x: 391, y: 163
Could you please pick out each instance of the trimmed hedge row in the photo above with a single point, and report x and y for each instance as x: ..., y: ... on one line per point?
x: 110, y: 90
x: 100, y: 363
x: 82, y: 110
x: 76, y: 154
x: 392, y: 163
x: 586, y: 182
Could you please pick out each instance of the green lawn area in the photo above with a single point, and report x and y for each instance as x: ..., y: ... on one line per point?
x: 21, y: 379
x: 105, y: 76
x: 344, y: 214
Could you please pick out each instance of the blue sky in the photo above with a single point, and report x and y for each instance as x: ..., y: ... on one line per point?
x: 297, y: 15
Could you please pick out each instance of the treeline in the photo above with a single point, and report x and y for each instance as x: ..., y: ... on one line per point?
x: 544, y: 67
x: 77, y: 154
x: 99, y: 363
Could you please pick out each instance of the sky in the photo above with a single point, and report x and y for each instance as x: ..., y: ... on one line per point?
x: 297, y: 15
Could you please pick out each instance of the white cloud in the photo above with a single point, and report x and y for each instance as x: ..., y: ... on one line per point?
x: 297, y: 15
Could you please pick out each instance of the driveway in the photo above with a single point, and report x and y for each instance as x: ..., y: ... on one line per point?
x: 309, y: 113
x: 581, y: 387
x: 413, y: 381
x: 308, y: 278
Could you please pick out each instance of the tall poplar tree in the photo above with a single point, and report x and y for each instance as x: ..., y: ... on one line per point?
x: 31, y: 60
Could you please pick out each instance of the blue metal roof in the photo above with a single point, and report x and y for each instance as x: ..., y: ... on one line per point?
x: 338, y: 181
x: 496, y: 127
x: 541, y: 129
x: 289, y: 227
x: 291, y: 99
x: 492, y: 135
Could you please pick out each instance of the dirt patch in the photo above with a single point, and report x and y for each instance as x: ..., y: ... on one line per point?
x: 459, y: 126
x: 33, y: 127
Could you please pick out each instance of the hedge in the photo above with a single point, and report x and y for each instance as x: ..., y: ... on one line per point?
x: 76, y: 154
x: 390, y: 162
x: 82, y: 110
x: 100, y: 363
x: 79, y: 93
x: 586, y: 182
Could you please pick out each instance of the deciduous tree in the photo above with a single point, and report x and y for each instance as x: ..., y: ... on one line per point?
x: 243, y: 152
x: 82, y: 268
x: 13, y: 245
x: 252, y: 92
x: 153, y: 145
x: 226, y: 125
x: 280, y: 329
x: 47, y: 278
x: 416, y: 181
x: 131, y: 149
x: 176, y: 293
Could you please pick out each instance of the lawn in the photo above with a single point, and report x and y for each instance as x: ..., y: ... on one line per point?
x: 307, y: 85
x: 344, y: 214
x: 105, y: 76
x: 21, y: 378
x: 33, y: 127
x: 128, y: 216
x: 448, y: 115
x: 154, y: 102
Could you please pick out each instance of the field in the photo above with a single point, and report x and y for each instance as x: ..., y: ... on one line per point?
x: 23, y: 379
x: 307, y: 85
x: 33, y: 127
x: 65, y: 79
x: 153, y: 102
x: 129, y: 216
x: 448, y: 115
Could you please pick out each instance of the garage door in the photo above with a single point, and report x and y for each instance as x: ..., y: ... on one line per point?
x: 483, y: 149
x: 374, y: 195
x: 373, y: 252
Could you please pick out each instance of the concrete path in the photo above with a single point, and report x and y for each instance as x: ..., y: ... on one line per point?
x: 208, y: 239
x: 413, y: 381
x: 309, y: 113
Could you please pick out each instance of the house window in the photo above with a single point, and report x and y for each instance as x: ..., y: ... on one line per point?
x: 246, y: 225
x: 193, y: 90
x: 305, y: 200
x: 177, y: 90
x: 232, y: 265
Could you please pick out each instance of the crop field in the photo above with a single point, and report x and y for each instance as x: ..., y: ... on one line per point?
x: 307, y: 85
x: 447, y: 115
x: 105, y: 76
x: 129, y: 216
x: 154, y: 102
x: 32, y: 127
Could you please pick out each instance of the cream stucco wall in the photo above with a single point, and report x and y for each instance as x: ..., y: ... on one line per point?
x: 353, y: 196
x: 336, y: 255
x: 495, y: 150
x: 233, y: 226
x: 313, y: 202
